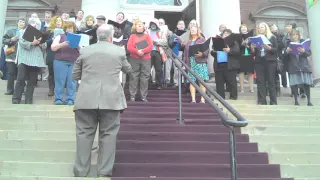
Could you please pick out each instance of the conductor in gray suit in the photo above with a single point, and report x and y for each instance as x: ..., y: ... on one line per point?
x: 99, y: 100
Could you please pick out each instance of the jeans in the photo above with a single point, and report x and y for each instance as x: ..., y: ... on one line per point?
x: 63, y: 78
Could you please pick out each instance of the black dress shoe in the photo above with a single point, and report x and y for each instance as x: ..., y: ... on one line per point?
x: 144, y: 100
x: 8, y: 93
x: 15, y: 102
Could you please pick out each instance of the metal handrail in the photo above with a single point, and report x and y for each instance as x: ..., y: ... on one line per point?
x: 227, y: 121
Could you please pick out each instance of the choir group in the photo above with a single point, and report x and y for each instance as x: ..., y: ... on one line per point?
x: 264, y: 53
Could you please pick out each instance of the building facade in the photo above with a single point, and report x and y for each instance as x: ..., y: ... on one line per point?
x: 252, y: 11
x: 210, y: 13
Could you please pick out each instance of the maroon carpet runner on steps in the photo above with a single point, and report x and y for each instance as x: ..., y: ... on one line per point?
x: 152, y: 145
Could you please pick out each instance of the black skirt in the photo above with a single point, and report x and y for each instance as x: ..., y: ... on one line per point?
x: 246, y: 64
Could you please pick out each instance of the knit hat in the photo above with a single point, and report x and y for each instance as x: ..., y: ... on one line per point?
x: 156, y: 22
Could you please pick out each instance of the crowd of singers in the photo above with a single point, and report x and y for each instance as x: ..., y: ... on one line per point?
x: 147, y: 48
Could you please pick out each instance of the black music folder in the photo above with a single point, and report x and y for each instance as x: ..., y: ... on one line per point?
x: 90, y: 32
x: 218, y: 43
x: 249, y: 34
x: 142, y: 45
x: 194, y: 49
x: 128, y: 23
x: 118, y: 25
x: 237, y: 37
x: 30, y: 33
x: 44, y: 37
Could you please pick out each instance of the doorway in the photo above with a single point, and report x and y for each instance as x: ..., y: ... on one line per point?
x: 171, y: 18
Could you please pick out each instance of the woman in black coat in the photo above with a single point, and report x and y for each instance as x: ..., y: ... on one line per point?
x: 299, y: 69
x: 266, y: 65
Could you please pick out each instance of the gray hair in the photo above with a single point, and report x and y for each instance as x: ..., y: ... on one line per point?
x: 105, y: 32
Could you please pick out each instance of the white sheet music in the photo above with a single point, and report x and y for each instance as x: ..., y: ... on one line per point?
x: 85, y: 40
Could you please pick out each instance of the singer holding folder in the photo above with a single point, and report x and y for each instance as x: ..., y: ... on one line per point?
x: 299, y: 68
x: 139, y: 46
x: 197, y: 62
x: 30, y: 61
x: 63, y: 65
x: 226, y: 52
x: 266, y: 65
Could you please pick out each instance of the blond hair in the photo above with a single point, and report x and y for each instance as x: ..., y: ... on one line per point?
x: 134, y: 27
x: 53, y: 23
x: 198, y: 33
x: 268, y: 32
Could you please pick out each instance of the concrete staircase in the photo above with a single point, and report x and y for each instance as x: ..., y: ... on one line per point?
x: 289, y: 134
x: 37, y: 142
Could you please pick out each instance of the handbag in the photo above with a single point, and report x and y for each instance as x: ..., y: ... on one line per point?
x: 279, y: 66
x: 10, y: 50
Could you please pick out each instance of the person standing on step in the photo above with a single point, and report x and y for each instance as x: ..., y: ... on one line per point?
x: 300, y: 71
x: 99, y: 101
x: 63, y: 63
x: 87, y: 25
x: 30, y: 61
x: 286, y: 42
x: 56, y: 22
x: 245, y: 60
x: 175, y: 44
x: 266, y: 65
x: 197, y: 63
x: 159, y: 39
x: 11, y: 39
x: 226, y: 72
x: 139, y: 46
x: 275, y: 31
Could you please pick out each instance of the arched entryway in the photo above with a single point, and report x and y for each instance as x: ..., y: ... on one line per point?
x: 281, y: 13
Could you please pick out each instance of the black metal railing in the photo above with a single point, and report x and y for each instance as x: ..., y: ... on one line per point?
x: 227, y: 121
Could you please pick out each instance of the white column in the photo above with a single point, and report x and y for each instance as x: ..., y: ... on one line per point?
x: 314, y: 25
x: 108, y: 8
x: 214, y: 13
x: 3, y: 15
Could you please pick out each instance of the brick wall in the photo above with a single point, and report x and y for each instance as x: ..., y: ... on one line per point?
x: 66, y: 5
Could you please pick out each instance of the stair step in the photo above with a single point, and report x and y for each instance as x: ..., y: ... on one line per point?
x: 295, y: 158
x: 139, y: 178
x: 63, y: 145
x: 280, y: 130
x: 69, y: 127
x: 125, y: 135
x: 124, y: 120
x: 137, y: 156
x: 290, y: 147
x: 18, y: 168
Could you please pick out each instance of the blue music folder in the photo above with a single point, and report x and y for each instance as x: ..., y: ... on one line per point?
x: 73, y: 40
x: 294, y: 46
x: 222, y: 57
x: 259, y: 40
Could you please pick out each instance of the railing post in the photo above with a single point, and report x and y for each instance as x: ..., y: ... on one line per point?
x: 233, y: 161
x: 180, y: 97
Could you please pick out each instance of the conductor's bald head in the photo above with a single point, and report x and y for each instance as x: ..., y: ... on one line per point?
x: 105, y: 33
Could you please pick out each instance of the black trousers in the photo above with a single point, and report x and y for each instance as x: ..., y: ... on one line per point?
x: 30, y: 74
x: 266, y: 74
x: 156, y: 61
x: 51, y: 76
x: 12, y: 75
x: 228, y: 77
